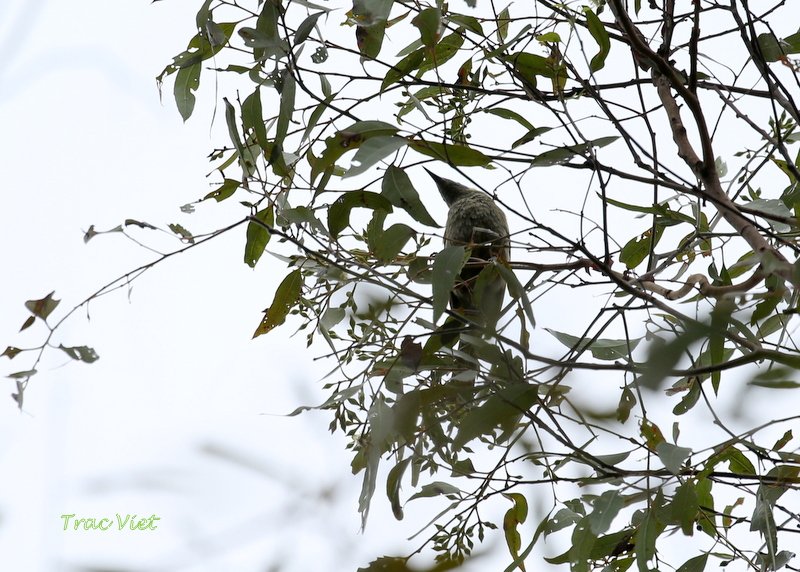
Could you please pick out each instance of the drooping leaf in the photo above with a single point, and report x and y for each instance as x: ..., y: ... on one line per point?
x: 253, y: 118
x: 373, y: 150
x: 435, y: 489
x: 428, y: 21
x: 80, y: 353
x: 446, y: 266
x: 187, y: 81
x: 606, y: 508
x: 224, y: 191
x: 442, y: 52
x: 339, y: 211
x: 515, y: 516
x: 672, y: 456
x: 604, y: 349
x: 371, y: 17
x: 286, y: 110
x: 501, y: 411
x: 258, y: 236
x: 392, y: 241
x: 349, y: 139
x: 456, y: 155
x: 404, y: 67
x: 286, y: 296
x: 638, y: 248
x: 43, y: 307
x: 305, y: 27
x: 645, y: 539
x: 397, y: 188
x: 600, y: 35
x: 564, y: 154
x: 684, y: 507
x: 696, y: 564
x: 393, y: 482
x: 503, y: 19
x: 512, y: 115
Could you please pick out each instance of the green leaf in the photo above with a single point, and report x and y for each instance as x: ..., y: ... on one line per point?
x: 514, y: 516
x: 286, y: 296
x: 392, y: 241
x: 80, y: 353
x: 373, y: 150
x: 530, y: 136
x: 645, y: 543
x: 436, y: 489
x: 224, y: 191
x: 266, y: 44
x: 512, y: 115
x: 627, y: 401
x: 43, y: 307
x: 471, y: 23
x: 253, y: 118
x: 600, y: 35
x: 183, y: 232
x: 638, y: 248
x: 349, y: 139
x: 606, y: 508
x: 663, y: 356
x: 315, y: 117
x: 446, y: 266
x: 720, y: 317
x: 11, y: 352
x: 445, y: 49
x: 339, y: 211
x: 186, y: 83
x: 502, y: 410
x: 233, y: 132
x: 696, y: 564
x: 516, y: 290
x: 371, y: 16
x: 773, y: 207
x: 672, y: 456
x: 689, y: 399
x: 199, y: 49
x: 604, y: 349
x: 684, y: 507
x: 286, y: 109
x: 738, y: 463
x: 397, y: 188
x: 771, y: 47
x: 402, y: 68
x: 393, y: 481
x: 502, y: 25
x: 528, y: 66
x: 563, y: 155
x: 455, y: 155
x: 305, y: 27
x: 662, y: 211
x: 428, y: 21
x: 258, y: 236
x: 583, y: 540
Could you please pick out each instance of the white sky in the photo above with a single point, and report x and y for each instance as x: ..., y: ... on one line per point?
x: 171, y: 419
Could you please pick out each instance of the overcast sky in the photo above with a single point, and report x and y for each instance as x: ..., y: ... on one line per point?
x: 179, y: 417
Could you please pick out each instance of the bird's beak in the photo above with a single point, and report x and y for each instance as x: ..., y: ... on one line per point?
x: 437, y: 179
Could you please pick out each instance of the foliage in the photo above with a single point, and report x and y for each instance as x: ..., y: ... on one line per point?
x: 647, y: 157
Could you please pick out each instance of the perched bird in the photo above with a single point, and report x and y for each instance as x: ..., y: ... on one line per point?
x: 475, y: 221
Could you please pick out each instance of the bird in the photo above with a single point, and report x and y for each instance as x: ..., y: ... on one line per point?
x: 474, y: 220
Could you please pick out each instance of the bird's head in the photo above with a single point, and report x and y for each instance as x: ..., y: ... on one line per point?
x: 450, y: 190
